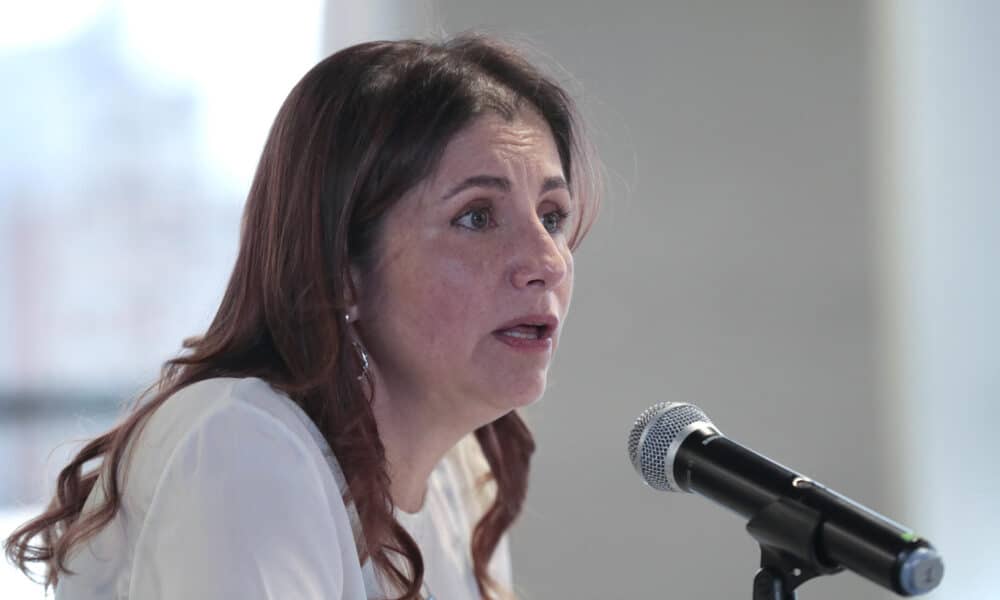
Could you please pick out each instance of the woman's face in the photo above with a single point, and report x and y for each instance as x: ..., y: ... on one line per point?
x: 473, y: 275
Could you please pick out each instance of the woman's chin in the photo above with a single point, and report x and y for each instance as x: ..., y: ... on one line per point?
x: 525, y: 393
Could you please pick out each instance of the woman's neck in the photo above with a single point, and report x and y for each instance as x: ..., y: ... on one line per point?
x: 415, y: 440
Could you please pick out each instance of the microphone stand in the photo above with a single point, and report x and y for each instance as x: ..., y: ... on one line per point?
x: 787, y: 533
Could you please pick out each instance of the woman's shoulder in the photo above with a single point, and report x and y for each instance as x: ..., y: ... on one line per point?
x: 196, y: 406
x: 203, y: 399
x: 222, y: 417
x: 228, y: 486
x: 224, y: 485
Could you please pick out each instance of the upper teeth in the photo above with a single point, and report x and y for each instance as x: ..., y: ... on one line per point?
x: 520, y: 333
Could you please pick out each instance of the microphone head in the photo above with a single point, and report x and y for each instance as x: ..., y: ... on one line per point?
x: 655, y: 436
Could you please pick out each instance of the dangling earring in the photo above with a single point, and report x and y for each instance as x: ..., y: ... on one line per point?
x: 362, y: 354
x: 364, y: 359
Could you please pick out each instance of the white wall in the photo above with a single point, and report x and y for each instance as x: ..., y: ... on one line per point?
x: 732, y: 268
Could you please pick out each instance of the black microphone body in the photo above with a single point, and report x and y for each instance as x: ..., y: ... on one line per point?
x: 848, y: 534
x: 804, y: 529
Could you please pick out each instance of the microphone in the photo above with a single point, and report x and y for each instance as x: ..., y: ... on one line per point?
x: 675, y: 447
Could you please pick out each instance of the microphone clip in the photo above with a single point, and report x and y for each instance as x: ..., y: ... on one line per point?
x: 788, y: 536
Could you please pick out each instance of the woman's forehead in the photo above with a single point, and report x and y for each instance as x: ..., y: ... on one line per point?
x: 494, y: 144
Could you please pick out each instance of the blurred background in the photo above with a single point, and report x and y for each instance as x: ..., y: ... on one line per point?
x: 800, y: 236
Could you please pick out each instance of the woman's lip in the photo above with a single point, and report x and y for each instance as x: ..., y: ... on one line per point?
x: 548, y: 321
x: 546, y: 324
x: 535, y: 344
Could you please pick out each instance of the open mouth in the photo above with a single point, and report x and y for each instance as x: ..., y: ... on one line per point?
x: 527, y: 331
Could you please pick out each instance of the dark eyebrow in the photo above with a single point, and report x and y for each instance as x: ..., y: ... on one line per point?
x: 487, y: 181
x: 554, y: 183
x: 503, y: 184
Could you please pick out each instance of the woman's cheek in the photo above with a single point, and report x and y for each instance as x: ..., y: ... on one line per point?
x: 567, y: 284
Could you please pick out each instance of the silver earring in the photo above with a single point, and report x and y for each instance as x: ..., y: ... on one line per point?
x: 363, y: 356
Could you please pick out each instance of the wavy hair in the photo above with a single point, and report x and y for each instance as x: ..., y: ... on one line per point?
x: 360, y: 129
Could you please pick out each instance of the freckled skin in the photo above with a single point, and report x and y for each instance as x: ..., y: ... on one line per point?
x: 439, y: 290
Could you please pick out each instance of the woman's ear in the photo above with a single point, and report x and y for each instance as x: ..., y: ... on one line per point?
x: 352, y: 293
x: 351, y: 313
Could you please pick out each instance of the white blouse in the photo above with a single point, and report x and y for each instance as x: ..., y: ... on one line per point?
x: 229, y: 494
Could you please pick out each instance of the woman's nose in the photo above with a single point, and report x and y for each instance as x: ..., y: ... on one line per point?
x: 537, y: 259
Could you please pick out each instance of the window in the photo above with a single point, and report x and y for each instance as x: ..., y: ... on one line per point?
x: 129, y: 132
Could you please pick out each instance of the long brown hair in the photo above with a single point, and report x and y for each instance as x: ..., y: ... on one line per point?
x: 360, y: 129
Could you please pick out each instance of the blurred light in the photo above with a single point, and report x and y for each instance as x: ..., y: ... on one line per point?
x: 240, y: 58
x: 44, y: 22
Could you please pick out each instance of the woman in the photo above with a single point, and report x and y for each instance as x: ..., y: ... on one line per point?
x: 404, y: 271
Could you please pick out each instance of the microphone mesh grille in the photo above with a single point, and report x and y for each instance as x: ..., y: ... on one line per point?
x: 651, y: 436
